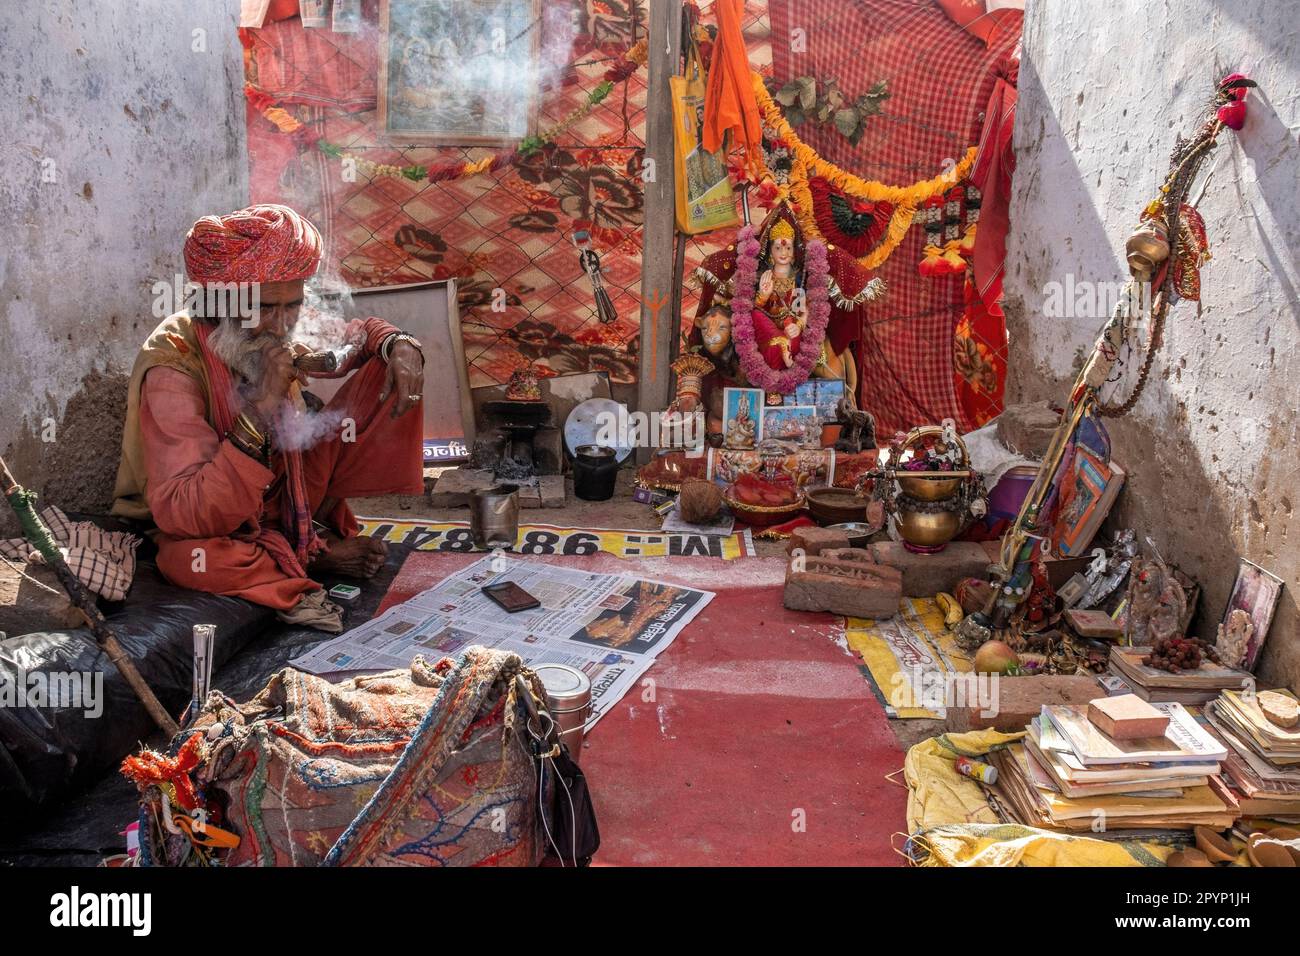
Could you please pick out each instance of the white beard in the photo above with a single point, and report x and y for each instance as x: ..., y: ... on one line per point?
x: 238, y: 350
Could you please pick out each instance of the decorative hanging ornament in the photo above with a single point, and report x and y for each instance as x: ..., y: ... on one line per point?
x: 591, y: 265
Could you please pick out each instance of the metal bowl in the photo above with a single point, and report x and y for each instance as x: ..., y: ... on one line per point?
x: 928, y: 489
x: 858, y: 532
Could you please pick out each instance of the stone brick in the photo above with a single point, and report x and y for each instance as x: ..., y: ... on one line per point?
x: 452, y: 488
x: 815, y: 540
x: 1027, y: 428
x: 552, y: 491
x: 548, y: 450
x: 925, y: 575
x: 1022, y: 698
x: 854, y: 587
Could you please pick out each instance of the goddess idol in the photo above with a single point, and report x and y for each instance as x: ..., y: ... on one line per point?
x: 780, y: 311
x: 793, y: 308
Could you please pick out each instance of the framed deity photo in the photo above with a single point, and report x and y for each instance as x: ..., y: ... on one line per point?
x: 1256, y: 592
x: 459, y: 72
x: 742, y: 417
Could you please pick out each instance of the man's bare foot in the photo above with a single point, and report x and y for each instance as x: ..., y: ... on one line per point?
x: 351, y: 557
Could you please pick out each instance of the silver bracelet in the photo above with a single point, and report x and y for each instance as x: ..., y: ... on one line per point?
x: 386, y: 347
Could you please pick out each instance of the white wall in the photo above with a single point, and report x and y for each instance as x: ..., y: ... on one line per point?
x: 144, y: 133
x: 1212, y: 446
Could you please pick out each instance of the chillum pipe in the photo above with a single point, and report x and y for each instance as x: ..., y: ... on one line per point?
x: 85, y: 603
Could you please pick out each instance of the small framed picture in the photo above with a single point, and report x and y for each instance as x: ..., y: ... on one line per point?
x: 793, y: 423
x: 825, y: 393
x: 1256, y: 592
x: 463, y: 73
x: 742, y: 417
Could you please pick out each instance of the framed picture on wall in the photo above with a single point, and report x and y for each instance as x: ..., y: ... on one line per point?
x: 459, y: 72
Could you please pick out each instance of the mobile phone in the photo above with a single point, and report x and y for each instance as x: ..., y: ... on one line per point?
x: 510, y: 597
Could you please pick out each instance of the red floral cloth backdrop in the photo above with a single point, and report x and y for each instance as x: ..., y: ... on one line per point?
x: 926, y: 352
x: 510, y: 229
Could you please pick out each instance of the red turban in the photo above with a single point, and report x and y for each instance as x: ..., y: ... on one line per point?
x: 266, y: 243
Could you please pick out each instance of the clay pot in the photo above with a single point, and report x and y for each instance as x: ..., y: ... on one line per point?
x: 836, y: 505
x: 1188, y: 858
x: 1215, y: 847
x: 1263, y: 850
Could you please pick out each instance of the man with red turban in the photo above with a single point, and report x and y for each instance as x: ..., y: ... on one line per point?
x: 244, y: 474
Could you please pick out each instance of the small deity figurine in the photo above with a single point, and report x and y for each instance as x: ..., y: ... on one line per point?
x: 1157, y: 603
x: 780, y: 305
x: 1233, y: 640
x: 523, y: 386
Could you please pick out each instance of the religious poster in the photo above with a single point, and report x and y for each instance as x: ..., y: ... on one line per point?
x: 460, y: 72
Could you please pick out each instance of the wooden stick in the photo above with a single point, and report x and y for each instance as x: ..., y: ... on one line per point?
x: 85, y: 603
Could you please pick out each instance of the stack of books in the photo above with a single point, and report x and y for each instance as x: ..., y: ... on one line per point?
x: 1263, y: 764
x: 1187, y: 687
x: 1068, y: 774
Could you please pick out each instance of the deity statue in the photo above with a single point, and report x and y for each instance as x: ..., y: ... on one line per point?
x: 715, y: 332
x: 780, y: 305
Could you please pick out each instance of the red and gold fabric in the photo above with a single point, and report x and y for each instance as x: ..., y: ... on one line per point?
x: 263, y: 243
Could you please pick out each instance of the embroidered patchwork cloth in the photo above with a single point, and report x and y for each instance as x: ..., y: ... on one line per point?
x: 104, y: 561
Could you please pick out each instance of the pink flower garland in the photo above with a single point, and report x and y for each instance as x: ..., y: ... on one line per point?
x: 745, y: 282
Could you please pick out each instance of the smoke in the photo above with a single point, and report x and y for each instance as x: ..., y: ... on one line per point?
x: 297, y: 430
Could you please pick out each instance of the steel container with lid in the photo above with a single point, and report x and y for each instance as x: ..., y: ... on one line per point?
x: 568, y: 697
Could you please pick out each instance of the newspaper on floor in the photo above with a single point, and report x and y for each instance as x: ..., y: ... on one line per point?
x: 609, y: 626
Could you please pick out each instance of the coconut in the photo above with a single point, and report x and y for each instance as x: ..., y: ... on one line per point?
x: 699, y: 500
x: 995, y: 657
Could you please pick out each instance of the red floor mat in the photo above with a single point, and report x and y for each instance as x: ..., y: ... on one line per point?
x: 763, y: 744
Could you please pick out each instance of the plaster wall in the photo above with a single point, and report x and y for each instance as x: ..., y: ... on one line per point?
x: 1211, y: 447
x: 123, y: 123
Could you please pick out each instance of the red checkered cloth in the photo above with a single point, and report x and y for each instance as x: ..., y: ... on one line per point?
x: 939, y: 78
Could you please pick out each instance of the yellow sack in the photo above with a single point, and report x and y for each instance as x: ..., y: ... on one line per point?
x: 952, y: 824
x: 704, y: 197
x: 936, y: 792
x: 982, y: 844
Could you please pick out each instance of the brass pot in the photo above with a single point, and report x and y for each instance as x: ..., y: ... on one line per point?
x: 1146, y: 249
x: 928, y: 489
x: 928, y: 529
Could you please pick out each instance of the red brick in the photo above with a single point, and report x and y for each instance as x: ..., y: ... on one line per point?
x: 815, y: 540
x: 925, y: 575
x: 1022, y: 698
x: 854, y: 587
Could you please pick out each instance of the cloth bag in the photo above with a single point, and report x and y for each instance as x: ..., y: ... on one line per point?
x: 429, y: 766
x: 704, y: 197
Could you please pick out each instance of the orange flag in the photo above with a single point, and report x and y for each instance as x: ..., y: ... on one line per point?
x: 729, y: 103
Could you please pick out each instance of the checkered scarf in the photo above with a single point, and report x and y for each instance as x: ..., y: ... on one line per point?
x: 104, y: 561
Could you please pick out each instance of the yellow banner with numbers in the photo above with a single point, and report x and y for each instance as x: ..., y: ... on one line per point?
x: 551, y: 539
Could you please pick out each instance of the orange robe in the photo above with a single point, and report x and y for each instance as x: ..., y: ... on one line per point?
x: 205, y: 495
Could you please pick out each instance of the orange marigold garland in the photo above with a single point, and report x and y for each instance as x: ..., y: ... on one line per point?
x: 905, y: 200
